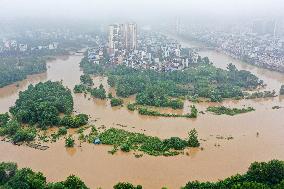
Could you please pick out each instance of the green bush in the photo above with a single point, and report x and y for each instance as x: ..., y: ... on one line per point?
x: 80, y: 88
x: 69, y: 141
x: 99, y: 92
x: 62, y: 131
x: 74, y: 121
x: 193, y: 139
x: 116, y: 101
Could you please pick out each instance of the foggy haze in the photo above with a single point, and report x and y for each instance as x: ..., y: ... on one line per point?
x: 138, y: 10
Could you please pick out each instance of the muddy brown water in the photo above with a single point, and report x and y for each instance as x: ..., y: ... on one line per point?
x: 220, y: 158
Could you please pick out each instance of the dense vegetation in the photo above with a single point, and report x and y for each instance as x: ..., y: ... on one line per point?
x: 203, y: 80
x: 13, y: 129
x: 91, y: 68
x: 116, y: 101
x: 80, y: 88
x: 127, y: 141
x: 156, y: 88
x: 74, y: 121
x: 155, y: 96
x: 14, y: 69
x: 219, y: 110
x: 259, y: 176
x: 41, y: 104
x: 13, y: 178
x: 98, y: 92
x: 86, y: 79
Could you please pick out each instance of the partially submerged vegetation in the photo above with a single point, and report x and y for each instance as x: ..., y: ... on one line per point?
x: 41, y: 104
x: 13, y: 178
x: 264, y: 94
x: 146, y: 111
x: 116, y: 101
x: 69, y: 142
x: 143, y: 110
x: 87, y: 80
x: 127, y: 141
x: 86, y: 87
x: 219, y: 110
x: 260, y: 175
x: 17, y: 133
x: 158, y: 88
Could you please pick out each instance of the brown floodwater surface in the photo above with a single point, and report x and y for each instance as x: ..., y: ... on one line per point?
x: 219, y: 158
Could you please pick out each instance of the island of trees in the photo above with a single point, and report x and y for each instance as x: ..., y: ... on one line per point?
x: 40, y: 106
x: 219, y: 110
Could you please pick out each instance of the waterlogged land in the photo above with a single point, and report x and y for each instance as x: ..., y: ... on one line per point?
x: 220, y: 157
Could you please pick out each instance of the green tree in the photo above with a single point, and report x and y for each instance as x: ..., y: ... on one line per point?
x: 193, y: 139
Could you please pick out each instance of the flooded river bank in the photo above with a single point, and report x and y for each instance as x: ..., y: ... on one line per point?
x: 219, y: 159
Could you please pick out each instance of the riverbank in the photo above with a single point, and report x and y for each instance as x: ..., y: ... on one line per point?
x: 203, y: 45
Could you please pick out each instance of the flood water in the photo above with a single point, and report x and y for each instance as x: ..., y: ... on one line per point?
x: 219, y: 159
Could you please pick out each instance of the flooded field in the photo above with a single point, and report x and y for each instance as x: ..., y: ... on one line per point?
x: 219, y: 159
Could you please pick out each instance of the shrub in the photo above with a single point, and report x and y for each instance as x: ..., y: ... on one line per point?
x: 116, y: 102
x: 125, y: 148
x: 69, y: 141
x: 74, y: 121
x: 131, y: 107
x: 193, y: 139
x: 62, y: 131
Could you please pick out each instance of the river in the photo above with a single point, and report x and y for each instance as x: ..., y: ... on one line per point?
x: 220, y: 158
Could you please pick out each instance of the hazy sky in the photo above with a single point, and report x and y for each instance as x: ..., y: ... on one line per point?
x: 139, y: 9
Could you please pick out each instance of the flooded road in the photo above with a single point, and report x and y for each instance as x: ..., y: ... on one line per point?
x: 219, y: 159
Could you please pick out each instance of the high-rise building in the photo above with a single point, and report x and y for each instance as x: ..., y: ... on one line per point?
x: 131, y: 36
x: 122, y: 36
x: 263, y: 27
x: 113, y: 36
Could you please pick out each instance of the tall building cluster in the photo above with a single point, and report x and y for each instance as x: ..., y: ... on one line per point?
x: 122, y: 36
x: 263, y: 27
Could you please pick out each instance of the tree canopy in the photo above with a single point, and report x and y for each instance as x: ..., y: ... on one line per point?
x: 41, y: 104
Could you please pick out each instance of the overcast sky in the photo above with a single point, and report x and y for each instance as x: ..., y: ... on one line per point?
x: 139, y: 9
